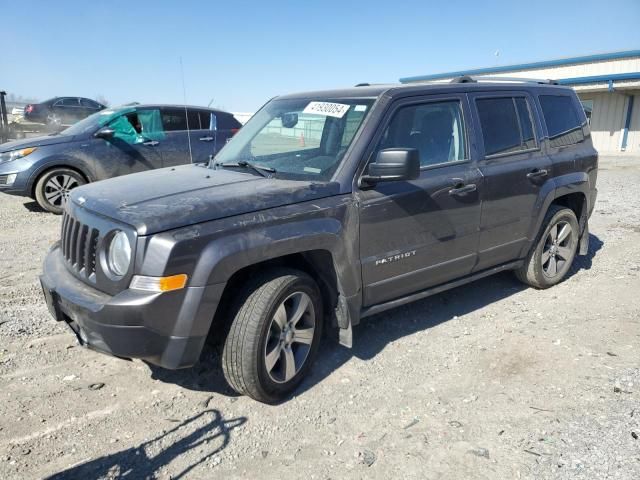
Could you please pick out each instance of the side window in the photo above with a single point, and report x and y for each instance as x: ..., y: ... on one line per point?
x: 174, y: 119
x: 138, y: 126
x: 194, y: 120
x: 435, y: 129
x: 150, y: 124
x: 85, y: 102
x: 506, y: 125
x: 562, y: 120
x: 205, y: 120
x: 70, y: 102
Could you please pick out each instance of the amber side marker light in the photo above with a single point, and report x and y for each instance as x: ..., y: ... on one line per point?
x: 158, y: 284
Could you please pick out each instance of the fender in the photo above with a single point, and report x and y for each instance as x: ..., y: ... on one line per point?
x: 59, y: 161
x: 577, y: 182
x: 227, y: 255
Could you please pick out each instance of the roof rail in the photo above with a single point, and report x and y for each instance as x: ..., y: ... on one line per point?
x: 362, y: 85
x: 470, y: 79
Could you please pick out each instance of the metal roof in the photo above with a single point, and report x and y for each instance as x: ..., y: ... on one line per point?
x: 527, y: 66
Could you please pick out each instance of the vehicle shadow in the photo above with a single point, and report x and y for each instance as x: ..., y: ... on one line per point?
x: 33, y: 206
x: 207, y: 432
x: 585, y: 262
x: 375, y: 333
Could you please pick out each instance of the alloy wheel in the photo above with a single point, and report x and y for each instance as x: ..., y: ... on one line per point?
x: 290, y: 337
x: 558, y: 249
x: 57, y: 189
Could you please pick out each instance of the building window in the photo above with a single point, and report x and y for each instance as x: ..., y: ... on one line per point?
x: 587, y: 105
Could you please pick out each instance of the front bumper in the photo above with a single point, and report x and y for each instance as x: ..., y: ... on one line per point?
x: 166, y: 329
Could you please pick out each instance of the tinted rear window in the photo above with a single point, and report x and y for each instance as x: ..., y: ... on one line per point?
x: 226, y: 121
x: 563, y: 123
x: 506, y: 125
x: 174, y: 119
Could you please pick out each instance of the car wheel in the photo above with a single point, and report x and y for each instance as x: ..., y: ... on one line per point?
x: 554, y: 251
x: 52, y: 189
x: 53, y: 119
x: 274, y: 335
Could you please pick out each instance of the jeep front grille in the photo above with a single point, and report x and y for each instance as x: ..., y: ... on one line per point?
x: 79, y: 245
x: 3, y: 179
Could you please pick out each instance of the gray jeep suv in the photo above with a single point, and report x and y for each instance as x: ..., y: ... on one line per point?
x: 326, y: 208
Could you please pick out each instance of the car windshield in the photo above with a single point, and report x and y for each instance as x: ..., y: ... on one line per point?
x: 302, y: 139
x: 93, y: 122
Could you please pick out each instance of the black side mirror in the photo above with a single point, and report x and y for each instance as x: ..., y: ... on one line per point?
x: 105, y: 133
x: 393, y: 165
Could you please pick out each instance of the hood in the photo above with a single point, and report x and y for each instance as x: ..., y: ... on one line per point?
x: 35, y: 142
x: 169, y: 198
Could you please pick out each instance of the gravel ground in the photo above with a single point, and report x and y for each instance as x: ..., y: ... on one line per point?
x: 490, y: 380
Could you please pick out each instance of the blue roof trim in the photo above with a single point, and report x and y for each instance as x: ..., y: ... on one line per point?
x: 614, y: 77
x: 527, y: 66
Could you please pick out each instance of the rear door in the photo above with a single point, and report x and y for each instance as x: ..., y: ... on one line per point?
x: 514, y: 168
x: 420, y: 233
x: 68, y: 109
x: 181, y: 142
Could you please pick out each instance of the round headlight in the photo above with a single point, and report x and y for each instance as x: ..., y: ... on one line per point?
x: 119, y: 254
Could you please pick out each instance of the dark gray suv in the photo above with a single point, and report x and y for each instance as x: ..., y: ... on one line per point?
x: 110, y: 143
x: 326, y: 208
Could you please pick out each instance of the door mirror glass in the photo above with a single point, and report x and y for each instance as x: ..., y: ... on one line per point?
x: 393, y: 165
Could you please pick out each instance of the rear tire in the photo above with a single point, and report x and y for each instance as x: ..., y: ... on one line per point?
x: 53, y: 187
x: 274, y: 335
x: 554, y: 251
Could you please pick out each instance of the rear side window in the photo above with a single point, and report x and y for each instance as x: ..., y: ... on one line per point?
x: 563, y: 123
x: 67, y: 102
x: 205, y: 120
x: 226, y: 121
x: 174, y: 119
x: 506, y: 125
x: 85, y: 102
x: 194, y: 120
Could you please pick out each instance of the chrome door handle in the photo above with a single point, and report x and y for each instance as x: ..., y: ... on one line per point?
x: 206, y: 139
x: 537, y: 173
x: 463, y: 190
x: 151, y: 143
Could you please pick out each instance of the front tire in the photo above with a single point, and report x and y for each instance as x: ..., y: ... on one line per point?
x: 274, y: 335
x: 552, y: 256
x: 53, y: 188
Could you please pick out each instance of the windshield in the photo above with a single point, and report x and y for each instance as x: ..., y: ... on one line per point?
x: 93, y: 122
x: 299, y: 138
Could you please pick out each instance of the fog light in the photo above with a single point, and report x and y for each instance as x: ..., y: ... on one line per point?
x: 158, y: 284
x: 11, y: 178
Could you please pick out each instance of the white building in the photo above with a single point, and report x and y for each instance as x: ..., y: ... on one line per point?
x: 608, y: 85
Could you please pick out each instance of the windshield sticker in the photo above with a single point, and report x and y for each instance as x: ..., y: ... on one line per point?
x: 327, y: 108
x: 360, y: 108
x: 312, y: 170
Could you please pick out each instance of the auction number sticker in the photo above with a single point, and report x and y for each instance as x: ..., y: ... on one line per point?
x: 327, y: 108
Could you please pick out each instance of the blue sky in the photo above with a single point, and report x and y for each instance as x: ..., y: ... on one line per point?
x: 240, y: 53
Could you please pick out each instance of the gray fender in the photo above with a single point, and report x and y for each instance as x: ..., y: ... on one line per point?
x: 577, y: 182
x: 63, y: 161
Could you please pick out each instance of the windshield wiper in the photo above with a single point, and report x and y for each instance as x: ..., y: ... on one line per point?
x: 266, y: 172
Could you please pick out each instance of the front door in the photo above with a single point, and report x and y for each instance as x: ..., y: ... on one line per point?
x: 421, y: 233
x: 514, y: 168
x: 135, y: 146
